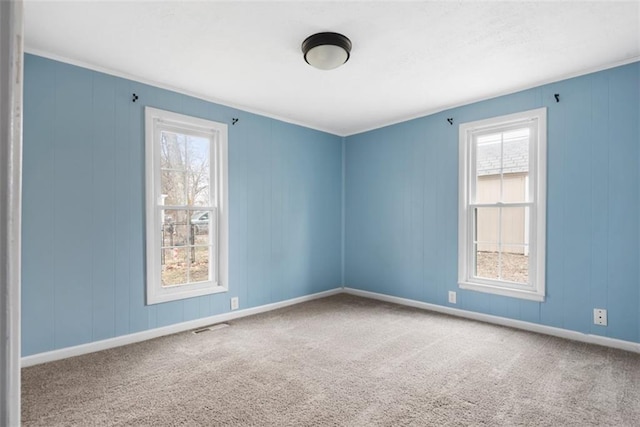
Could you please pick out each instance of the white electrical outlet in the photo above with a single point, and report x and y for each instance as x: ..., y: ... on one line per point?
x: 234, y: 303
x: 600, y: 316
x: 452, y: 297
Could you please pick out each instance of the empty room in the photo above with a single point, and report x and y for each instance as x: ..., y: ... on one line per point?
x: 320, y: 213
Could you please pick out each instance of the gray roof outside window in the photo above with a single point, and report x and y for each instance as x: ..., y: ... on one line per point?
x: 516, y: 158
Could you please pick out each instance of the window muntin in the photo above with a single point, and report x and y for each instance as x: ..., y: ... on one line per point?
x: 502, y: 205
x: 186, y: 206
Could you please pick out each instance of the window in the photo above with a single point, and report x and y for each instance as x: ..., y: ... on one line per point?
x: 187, y: 206
x: 502, y: 209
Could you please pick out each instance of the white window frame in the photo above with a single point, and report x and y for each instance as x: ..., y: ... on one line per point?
x: 155, y: 121
x: 535, y: 289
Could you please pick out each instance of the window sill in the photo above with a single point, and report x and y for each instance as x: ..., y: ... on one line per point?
x: 175, y: 294
x: 514, y: 293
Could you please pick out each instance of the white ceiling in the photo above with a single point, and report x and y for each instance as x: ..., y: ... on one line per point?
x: 409, y: 58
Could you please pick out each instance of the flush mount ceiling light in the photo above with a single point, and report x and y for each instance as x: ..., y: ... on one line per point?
x: 326, y: 51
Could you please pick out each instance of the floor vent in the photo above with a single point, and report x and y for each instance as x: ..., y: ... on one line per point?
x: 211, y: 328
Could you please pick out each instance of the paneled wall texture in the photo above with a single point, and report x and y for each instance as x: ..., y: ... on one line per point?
x: 402, y: 206
x: 83, y: 207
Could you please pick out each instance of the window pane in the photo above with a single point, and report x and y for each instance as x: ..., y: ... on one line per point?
x: 515, y: 263
x: 174, y: 266
x: 200, y: 222
x: 176, y: 230
x: 502, y: 166
x: 487, y: 264
x: 488, y: 189
x: 487, y: 242
x: 172, y: 150
x: 501, y: 247
x: 488, y: 161
x: 487, y: 228
x: 514, y: 187
x: 515, y: 151
x: 515, y: 165
x: 172, y: 185
x: 200, y: 264
x: 198, y: 171
x: 513, y: 223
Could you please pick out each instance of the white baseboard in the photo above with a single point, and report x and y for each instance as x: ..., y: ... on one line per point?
x: 78, y: 350
x: 503, y: 321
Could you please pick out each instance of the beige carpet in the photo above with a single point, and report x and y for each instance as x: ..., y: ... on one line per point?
x: 341, y: 361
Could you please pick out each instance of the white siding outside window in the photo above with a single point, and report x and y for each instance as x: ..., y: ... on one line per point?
x: 187, y: 206
x: 502, y: 205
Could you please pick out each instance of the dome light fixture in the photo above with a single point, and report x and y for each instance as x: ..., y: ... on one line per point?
x: 326, y: 51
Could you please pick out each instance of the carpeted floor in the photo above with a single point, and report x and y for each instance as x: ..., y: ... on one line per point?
x: 340, y: 361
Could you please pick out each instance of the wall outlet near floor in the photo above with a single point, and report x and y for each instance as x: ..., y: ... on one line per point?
x: 600, y: 316
x: 234, y: 303
x: 452, y: 297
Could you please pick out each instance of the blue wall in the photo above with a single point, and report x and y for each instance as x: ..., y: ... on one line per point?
x: 402, y: 206
x: 83, y: 208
